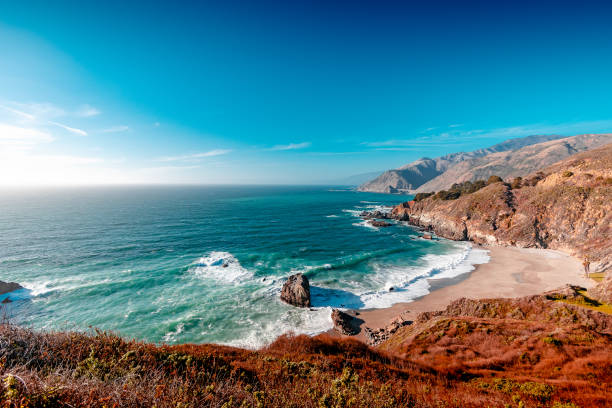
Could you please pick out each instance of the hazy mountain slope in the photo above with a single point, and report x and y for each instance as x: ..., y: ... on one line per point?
x: 567, y: 206
x: 410, y: 176
x: 514, y: 163
x: 354, y: 180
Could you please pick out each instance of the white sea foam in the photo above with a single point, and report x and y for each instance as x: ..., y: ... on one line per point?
x: 171, y: 336
x: 221, y: 266
x: 296, y: 320
x: 411, y: 283
x: 366, y: 224
x: 331, y: 216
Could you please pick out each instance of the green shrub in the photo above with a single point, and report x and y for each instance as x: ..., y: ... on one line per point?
x: 494, y: 179
x: 567, y: 173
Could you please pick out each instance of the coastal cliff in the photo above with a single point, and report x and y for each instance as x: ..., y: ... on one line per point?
x: 566, y: 206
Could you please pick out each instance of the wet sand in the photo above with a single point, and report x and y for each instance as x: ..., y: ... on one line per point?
x: 511, y: 272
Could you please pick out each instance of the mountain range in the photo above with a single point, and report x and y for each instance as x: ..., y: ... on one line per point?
x: 512, y: 158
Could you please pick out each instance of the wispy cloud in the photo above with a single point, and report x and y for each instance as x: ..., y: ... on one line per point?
x: 17, y: 136
x: 195, y: 156
x: 455, y: 135
x: 38, y: 110
x: 17, y: 112
x: 87, y: 111
x: 115, y: 129
x: 291, y: 146
x: 76, y: 131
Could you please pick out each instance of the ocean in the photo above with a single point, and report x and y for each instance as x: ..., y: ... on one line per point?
x: 147, y: 262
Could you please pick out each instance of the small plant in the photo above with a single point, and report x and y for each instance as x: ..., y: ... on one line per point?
x: 494, y: 179
x: 567, y: 173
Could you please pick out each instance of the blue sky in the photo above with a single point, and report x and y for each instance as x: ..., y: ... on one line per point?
x: 286, y: 92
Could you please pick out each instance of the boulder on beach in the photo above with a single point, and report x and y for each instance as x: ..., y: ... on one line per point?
x: 296, y: 291
x: 6, y: 287
x: 344, y: 323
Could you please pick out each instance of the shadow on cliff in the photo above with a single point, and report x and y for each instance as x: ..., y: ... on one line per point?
x: 326, y: 297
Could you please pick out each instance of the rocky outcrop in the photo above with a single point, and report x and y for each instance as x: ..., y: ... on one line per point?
x: 413, y: 175
x: 6, y: 287
x: 296, y: 291
x: 379, y: 224
x: 344, y: 323
x: 603, y: 290
x: 563, y: 306
x: 567, y: 206
x: 374, y: 337
x: 369, y: 215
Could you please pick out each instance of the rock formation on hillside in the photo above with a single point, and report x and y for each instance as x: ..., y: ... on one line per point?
x: 603, y: 290
x: 344, y: 323
x: 567, y: 206
x: 296, y: 291
x: 428, y: 174
x: 6, y: 287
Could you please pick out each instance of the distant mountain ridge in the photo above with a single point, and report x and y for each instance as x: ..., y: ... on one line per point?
x: 419, y: 175
x: 514, y: 163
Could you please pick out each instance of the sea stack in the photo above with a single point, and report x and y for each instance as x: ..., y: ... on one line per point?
x: 296, y: 291
x: 6, y: 287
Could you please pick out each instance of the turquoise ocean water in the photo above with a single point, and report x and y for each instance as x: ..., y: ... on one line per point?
x: 146, y: 262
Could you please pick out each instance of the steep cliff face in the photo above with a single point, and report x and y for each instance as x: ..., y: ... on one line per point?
x: 570, y: 208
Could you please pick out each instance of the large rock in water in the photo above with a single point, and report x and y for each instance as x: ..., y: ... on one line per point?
x: 6, y: 287
x: 296, y: 291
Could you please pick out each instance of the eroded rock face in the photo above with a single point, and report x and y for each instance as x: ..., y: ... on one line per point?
x: 567, y: 206
x: 344, y: 323
x: 296, y: 291
x: 6, y: 287
x: 602, y: 292
x: 375, y: 337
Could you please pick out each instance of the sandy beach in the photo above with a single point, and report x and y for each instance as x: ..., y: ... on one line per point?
x: 511, y: 272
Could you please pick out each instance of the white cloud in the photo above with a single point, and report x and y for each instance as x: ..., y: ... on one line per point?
x: 17, y: 112
x: 115, y: 129
x: 76, y: 131
x: 291, y: 146
x: 17, y: 136
x: 41, y: 110
x: 87, y: 111
x: 195, y: 156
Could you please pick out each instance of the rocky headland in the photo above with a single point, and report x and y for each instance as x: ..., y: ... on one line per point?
x: 566, y: 206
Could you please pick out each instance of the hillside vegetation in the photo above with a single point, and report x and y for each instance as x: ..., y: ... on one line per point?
x: 540, y: 351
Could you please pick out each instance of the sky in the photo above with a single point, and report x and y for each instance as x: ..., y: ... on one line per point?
x: 277, y: 92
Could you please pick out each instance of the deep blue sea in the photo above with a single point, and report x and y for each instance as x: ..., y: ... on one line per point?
x: 147, y: 262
